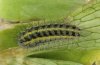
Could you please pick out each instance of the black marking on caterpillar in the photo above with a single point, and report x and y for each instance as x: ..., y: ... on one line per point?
x: 36, y: 38
x: 51, y: 26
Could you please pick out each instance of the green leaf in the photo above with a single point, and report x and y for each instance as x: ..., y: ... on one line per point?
x: 19, y: 10
x: 15, y: 56
x: 48, y: 62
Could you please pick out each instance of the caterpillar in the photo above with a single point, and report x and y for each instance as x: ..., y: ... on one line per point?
x: 61, y: 34
x: 39, y: 35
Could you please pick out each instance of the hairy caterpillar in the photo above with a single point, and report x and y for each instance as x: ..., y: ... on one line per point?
x: 39, y: 35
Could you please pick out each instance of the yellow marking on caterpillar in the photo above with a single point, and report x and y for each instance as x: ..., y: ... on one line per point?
x: 49, y: 29
x: 48, y: 38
